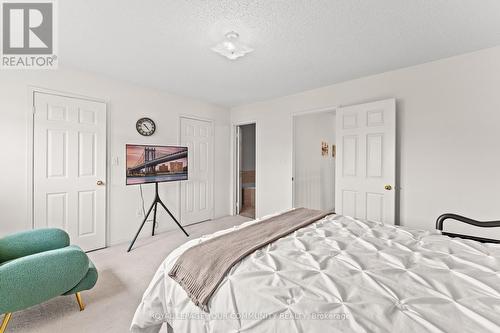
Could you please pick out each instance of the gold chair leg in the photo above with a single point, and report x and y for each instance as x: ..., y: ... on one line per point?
x: 80, y: 302
x: 5, y: 322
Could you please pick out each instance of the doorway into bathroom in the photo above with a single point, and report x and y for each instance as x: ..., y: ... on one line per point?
x: 245, y: 169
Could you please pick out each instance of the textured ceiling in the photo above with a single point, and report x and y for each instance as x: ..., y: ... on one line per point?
x: 299, y: 44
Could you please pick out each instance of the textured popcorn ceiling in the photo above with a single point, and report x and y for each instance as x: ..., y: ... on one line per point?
x: 299, y: 45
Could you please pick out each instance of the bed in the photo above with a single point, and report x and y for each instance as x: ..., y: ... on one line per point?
x: 339, y: 274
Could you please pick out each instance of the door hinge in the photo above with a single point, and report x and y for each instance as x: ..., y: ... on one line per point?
x: 34, y: 109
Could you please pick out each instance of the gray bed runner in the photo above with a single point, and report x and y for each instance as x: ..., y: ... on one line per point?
x: 201, y: 268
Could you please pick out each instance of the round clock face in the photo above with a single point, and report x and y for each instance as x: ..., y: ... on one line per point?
x: 145, y: 126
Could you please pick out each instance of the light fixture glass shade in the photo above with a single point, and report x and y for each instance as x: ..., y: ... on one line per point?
x: 231, y: 47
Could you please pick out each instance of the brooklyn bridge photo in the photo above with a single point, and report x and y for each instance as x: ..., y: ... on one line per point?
x: 152, y: 164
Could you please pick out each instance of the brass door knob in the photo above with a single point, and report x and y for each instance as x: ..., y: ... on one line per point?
x: 100, y: 182
x: 388, y: 187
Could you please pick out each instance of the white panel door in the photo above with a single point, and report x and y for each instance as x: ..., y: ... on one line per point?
x: 69, y: 160
x: 366, y: 161
x: 197, y: 191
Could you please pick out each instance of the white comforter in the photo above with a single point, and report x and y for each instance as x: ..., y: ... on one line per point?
x: 340, y: 275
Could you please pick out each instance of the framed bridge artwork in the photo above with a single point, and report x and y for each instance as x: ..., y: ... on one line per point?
x: 156, y: 164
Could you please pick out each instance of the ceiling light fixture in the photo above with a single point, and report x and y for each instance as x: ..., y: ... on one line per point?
x: 231, y: 47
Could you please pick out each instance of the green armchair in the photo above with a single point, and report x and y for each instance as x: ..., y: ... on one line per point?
x: 38, y: 265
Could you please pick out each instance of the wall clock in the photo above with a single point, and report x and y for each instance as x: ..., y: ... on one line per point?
x: 145, y: 126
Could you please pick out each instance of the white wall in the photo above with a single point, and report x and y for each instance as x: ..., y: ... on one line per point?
x: 314, y: 174
x: 448, y: 136
x: 126, y: 103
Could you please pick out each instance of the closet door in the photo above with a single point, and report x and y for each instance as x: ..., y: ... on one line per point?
x: 69, y: 171
x: 197, y: 192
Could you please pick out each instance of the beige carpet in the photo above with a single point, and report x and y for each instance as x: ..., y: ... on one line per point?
x: 123, y: 277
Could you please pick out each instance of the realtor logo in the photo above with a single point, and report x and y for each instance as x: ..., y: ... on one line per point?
x: 28, y: 31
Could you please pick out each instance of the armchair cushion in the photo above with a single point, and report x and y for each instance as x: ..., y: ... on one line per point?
x: 36, y: 278
x: 87, y: 283
x: 31, y: 242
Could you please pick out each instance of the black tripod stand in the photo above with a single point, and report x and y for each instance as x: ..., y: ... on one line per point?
x: 154, y: 206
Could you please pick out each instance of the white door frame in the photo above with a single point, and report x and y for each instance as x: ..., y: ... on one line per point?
x: 237, y: 170
x: 332, y: 108
x: 212, y: 123
x: 32, y: 90
x: 234, y: 164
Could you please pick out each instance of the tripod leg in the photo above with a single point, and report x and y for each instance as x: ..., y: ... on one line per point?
x: 173, y: 218
x: 142, y: 225
x: 154, y: 218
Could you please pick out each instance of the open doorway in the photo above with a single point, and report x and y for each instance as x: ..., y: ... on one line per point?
x: 314, y: 150
x: 245, y: 170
